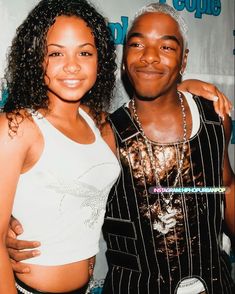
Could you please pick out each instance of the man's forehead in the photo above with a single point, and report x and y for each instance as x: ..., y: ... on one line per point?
x: 161, y: 22
x: 154, y: 17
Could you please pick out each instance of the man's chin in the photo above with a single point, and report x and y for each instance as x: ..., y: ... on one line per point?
x: 146, y: 97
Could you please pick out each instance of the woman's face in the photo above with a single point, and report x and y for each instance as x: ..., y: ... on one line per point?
x: 71, y: 59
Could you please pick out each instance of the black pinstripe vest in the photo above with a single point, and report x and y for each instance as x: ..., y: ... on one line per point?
x: 142, y: 259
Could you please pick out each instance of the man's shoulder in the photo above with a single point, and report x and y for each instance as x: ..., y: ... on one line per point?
x: 120, y: 116
x: 206, y: 109
x: 120, y: 110
x: 123, y: 124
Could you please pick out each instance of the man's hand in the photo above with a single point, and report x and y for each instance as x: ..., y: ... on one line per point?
x: 222, y: 104
x: 15, y: 247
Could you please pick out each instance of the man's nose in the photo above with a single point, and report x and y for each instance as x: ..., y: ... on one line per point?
x: 150, y: 55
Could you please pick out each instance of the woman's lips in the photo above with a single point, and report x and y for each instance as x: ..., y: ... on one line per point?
x: 71, y: 83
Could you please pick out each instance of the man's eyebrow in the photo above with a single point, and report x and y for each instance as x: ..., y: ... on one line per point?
x: 171, y: 37
x: 134, y: 34
x: 165, y: 37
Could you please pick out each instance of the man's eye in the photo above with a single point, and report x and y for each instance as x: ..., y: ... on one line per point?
x: 168, y: 48
x: 134, y: 44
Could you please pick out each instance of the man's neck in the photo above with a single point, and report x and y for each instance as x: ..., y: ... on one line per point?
x: 160, y: 105
x: 161, y: 118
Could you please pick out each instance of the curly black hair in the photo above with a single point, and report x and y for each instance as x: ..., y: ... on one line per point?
x: 25, y: 74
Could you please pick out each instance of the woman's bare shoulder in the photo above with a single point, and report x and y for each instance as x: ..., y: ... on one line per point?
x: 108, y: 136
x: 88, y: 110
x: 17, y: 127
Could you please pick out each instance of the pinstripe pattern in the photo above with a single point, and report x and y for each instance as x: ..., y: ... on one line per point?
x: 142, y: 260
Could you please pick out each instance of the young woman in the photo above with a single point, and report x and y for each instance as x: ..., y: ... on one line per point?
x: 56, y: 170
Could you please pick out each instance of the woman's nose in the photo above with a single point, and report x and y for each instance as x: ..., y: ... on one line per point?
x: 72, y: 65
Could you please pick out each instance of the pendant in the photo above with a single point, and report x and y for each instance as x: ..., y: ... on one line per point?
x: 166, y: 221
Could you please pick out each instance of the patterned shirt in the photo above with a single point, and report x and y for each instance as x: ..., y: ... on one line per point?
x: 151, y: 250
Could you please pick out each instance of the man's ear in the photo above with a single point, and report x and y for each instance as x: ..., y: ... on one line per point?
x: 184, y: 61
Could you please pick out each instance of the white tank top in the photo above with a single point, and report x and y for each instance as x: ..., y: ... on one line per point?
x: 61, y: 201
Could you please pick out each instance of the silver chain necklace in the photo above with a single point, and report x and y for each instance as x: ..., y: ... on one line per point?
x: 166, y: 217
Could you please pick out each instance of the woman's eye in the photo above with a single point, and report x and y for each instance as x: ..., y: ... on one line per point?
x: 54, y: 54
x: 86, y: 53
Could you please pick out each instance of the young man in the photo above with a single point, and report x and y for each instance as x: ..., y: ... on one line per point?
x: 157, y: 238
x: 164, y: 217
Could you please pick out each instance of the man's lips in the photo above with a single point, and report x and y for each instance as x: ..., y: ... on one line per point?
x: 149, y: 72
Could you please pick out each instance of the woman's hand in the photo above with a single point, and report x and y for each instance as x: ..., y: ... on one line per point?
x: 15, y: 247
x: 222, y: 104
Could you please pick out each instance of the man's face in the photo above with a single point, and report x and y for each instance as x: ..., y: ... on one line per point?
x: 153, y: 55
